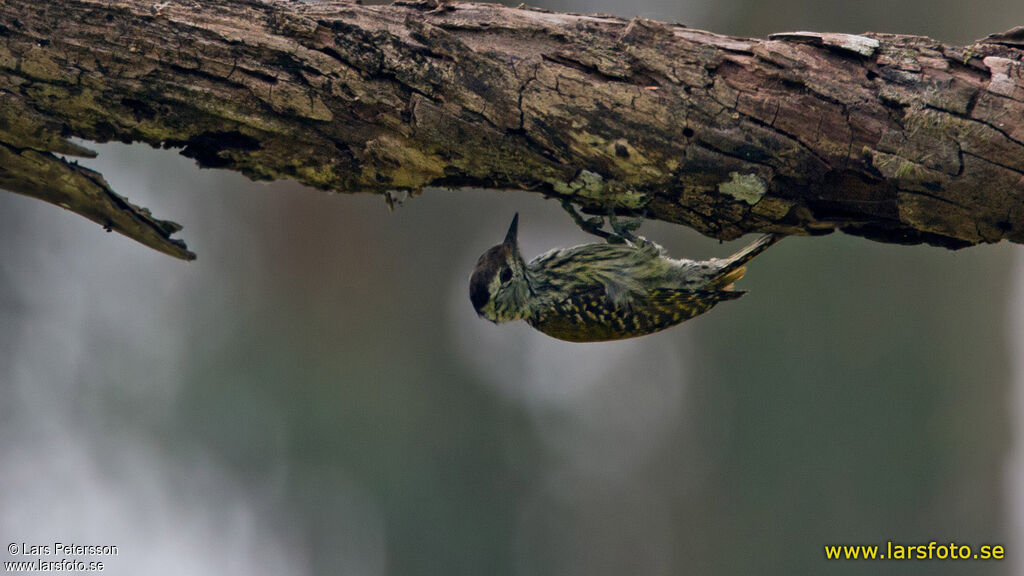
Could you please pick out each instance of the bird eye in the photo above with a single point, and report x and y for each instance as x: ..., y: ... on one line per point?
x: 506, y: 274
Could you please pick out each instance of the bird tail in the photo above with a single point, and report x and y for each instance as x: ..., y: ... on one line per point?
x: 735, y: 265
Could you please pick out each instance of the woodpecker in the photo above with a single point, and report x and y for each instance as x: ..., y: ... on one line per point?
x: 596, y: 292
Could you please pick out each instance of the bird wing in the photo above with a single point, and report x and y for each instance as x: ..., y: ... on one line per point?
x: 588, y: 316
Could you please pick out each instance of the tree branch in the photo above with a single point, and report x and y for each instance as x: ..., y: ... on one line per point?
x: 896, y: 138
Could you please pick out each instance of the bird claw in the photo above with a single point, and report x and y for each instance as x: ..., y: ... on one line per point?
x: 594, y: 225
x: 622, y: 231
x: 588, y: 225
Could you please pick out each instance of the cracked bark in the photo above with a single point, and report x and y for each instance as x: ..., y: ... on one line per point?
x: 895, y: 138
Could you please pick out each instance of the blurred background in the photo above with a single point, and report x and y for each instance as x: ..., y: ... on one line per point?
x: 315, y: 395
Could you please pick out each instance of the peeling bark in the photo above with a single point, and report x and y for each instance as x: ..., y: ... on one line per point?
x: 896, y: 138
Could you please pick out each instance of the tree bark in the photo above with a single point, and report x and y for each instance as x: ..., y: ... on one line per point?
x: 895, y: 138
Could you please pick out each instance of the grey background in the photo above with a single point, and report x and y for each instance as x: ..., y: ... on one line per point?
x: 315, y: 395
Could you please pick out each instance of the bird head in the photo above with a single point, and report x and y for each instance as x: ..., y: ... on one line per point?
x: 499, y: 287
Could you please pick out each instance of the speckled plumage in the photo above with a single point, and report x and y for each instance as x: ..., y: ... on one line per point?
x: 596, y: 292
x: 588, y: 316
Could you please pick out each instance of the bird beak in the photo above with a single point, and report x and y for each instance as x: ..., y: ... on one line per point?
x: 513, y: 231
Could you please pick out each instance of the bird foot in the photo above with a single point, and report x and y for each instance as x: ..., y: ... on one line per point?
x: 622, y: 230
x: 588, y: 225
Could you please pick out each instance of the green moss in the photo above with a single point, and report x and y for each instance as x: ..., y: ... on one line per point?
x: 7, y: 60
x: 593, y: 186
x: 586, y: 183
x: 37, y: 64
x: 322, y: 176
